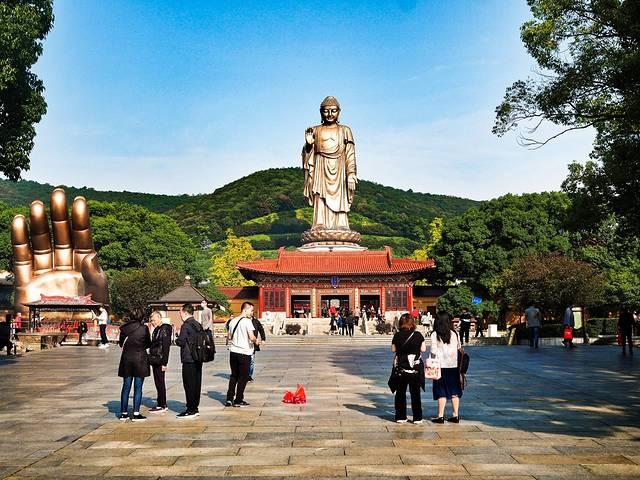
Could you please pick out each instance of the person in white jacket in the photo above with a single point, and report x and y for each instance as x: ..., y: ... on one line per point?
x: 445, y: 344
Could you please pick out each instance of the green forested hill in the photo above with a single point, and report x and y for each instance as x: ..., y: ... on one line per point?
x: 18, y: 194
x: 270, y: 202
x: 269, y: 209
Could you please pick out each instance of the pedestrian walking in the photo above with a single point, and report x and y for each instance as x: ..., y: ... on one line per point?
x: 350, y: 322
x: 445, y: 345
x: 465, y: 325
x: 569, y: 323
x: 82, y: 332
x: 191, y: 369
x: 408, y: 344
x: 261, y: 337
x: 5, y: 334
x: 480, y: 326
x: 341, y: 323
x: 159, y: 358
x: 134, y: 364
x: 206, y: 316
x: 625, y: 327
x: 333, y: 325
x: 533, y: 319
x: 103, y: 317
x: 241, y: 348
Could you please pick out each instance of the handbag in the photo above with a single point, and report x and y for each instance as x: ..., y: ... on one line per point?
x: 432, y: 369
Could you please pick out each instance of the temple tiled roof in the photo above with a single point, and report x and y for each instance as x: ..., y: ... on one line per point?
x: 186, y: 293
x: 368, y: 262
x: 62, y: 301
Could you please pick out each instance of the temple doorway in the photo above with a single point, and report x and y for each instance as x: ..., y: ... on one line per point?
x: 340, y: 302
x: 300, y: 306
x: 369, y: 302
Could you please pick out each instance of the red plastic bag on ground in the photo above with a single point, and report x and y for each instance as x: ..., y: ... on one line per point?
x: 299, y: 396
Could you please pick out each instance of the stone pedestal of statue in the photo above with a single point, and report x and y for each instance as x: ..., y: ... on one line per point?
x: 329, y: 240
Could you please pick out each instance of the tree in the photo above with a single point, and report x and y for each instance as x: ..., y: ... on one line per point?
x: 133, y: 289
x: 589, y: 53
x: 479, y: 244
x: 455, y: 299
x: 24, y: 25
x: 223, y: 270
x: 434, y: 235
x: 552, y: 281
x: 129, y: 236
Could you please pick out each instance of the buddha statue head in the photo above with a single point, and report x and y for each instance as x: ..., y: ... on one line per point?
x: 330, y: 110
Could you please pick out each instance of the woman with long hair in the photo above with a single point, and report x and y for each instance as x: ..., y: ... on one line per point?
x: 444, y: 347
x: 134, y: 364
x: 408, y: 344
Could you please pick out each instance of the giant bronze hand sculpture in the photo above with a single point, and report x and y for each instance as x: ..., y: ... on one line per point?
x: 70, y: 268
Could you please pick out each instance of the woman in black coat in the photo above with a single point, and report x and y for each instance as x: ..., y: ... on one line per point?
x: 159, y: 358
x: 134, y: 364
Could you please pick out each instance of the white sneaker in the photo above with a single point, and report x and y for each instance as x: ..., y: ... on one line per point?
x: 401, y: 421
x: 102, y: 345
x: 417, y: 422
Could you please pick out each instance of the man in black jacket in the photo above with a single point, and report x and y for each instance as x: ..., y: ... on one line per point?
x: 258, y: 332
x: 191, y: 370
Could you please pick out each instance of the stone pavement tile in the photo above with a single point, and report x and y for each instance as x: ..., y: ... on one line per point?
x: 350, y: 428
x: 368, y: 435
x: 585, y: 442
x: 346, y: 460
x: 634, y: 458
x: 182, y: 452
x: 302, y: 471
x: 430, y: 459
x: 7, y: 470
x: 256, y: 452
x: 115, y: 437
x: 561, y: 459
x: 198, y: 436
x: 406, y: 470
x: 491, y: 435
x: 504, y: 450
x: 286, y: 442
x: 631, y: 470
x: 166, y: 471
x: 235, y: 460
x: 94, y: 452
x: 596, y: 450
x: 62, y: 471
x: 484, y: 477
x: 561, y: 471
x: 138, y: 444
x: 383, y: 451
x: 106, y: 461
x: 618, y: 443
x: 254, y: 429
x: 344, y: 443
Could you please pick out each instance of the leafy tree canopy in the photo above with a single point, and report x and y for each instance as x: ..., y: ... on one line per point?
x: 23, y: 25
x: 235, y: 249
x: 552, y: 282
x: 589, y: 53
x: 128, y: 236
x: 479, y: 244
x: 133, y: 289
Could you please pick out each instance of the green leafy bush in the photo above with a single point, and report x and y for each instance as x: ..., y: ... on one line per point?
x: 602, y: 326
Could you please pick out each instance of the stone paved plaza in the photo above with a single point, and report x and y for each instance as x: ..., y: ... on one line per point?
x: 551, y: 414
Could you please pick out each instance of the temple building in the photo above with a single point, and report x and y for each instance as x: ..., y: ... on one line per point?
x: 307, y: 283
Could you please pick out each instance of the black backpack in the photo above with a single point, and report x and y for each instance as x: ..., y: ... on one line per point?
x: 203, y: 349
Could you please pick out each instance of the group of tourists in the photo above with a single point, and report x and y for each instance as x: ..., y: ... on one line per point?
x: 146, y: 350
x: 408, y: 345
x: 342, y: 322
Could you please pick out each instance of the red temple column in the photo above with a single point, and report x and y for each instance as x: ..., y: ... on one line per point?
x: 260, y: 301
x: 410, y: 298
x: 287, y: 301
x: 383, y: 300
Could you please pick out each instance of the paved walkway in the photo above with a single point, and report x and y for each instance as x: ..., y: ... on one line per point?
x: 550, y: 414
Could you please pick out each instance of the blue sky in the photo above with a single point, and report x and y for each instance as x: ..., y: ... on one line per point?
x: 184, y: 97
